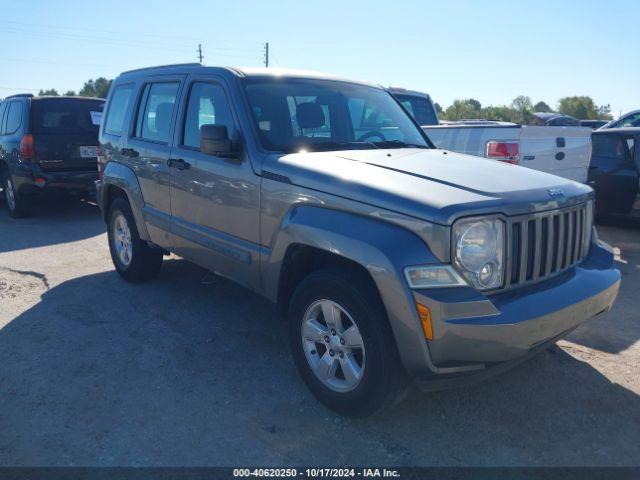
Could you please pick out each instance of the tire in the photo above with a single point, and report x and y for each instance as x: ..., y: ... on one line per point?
x: 17, y: 205
x: 382, y: 377
x: 133, y: 258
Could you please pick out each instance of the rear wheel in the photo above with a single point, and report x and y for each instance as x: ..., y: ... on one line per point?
x: 133, y: 258
x: 342, y: 343
x: 17, y: 204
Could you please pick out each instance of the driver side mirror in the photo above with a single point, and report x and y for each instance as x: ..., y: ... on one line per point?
x: 214, y: 140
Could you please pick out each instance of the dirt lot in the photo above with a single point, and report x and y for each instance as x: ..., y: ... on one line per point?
x: 193, y: 370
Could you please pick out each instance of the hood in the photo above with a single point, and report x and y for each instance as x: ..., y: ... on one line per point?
x: 434, y: 185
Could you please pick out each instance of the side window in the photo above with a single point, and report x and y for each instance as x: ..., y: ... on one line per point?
x: 207, y: 105
x: 3, y: 108
x: 14, y: 117
x: 118, y: 107
x: 609, y: 151
x: 409, y: 107
x: 156, y: 111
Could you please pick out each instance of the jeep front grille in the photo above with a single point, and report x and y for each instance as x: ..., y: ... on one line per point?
x: 544, y: 244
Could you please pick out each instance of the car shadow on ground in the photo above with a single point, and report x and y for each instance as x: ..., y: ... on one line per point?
x: 618, y: 329
x: 191, y: 369
x: 52, y: 220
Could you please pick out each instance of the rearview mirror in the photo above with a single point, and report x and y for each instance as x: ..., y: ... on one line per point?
x: 214, y: 140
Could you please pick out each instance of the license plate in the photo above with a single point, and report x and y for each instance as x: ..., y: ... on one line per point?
x: 88, y: 152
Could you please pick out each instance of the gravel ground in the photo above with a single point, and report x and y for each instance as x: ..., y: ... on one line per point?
x: 191, y: 370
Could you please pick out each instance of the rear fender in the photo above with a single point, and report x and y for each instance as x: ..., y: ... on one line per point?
x: 122, y: 177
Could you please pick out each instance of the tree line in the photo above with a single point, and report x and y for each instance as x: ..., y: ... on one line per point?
x: 91, y: 88
x: 521, y: 110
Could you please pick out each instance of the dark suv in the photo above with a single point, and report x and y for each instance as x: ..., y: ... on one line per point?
x: 47, y: 144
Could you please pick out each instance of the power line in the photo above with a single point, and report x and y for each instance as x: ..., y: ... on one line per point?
x: 119, y: 33
x: 53, y: 62
x: 222, y: 52
x: 20, y: 88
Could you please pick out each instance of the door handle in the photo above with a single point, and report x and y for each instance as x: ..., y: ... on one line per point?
x: 178, y: 163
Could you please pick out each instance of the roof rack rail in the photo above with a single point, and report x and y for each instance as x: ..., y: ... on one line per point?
x: 28, y: 95
x: 164, y: 66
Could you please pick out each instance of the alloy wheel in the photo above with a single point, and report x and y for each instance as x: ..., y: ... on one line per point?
x: 333, y: 345
x: 122, y: 239
x: 10, y: 195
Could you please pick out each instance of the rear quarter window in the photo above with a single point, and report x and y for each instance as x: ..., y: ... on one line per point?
x: 14, y: 117
x: 59, y: 116
x: 117, y: 110
x: 3, y: 108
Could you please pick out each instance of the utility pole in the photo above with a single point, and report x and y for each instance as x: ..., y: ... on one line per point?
x: 266, y: 55
x: 200, y: 57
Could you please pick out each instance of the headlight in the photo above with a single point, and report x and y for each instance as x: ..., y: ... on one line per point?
x: 479, y: 251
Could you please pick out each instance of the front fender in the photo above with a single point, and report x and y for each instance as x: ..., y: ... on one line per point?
x: 383, y: 249
x: 122, y: 177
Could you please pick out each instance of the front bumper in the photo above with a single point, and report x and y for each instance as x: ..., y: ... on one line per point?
x: 475, y: 332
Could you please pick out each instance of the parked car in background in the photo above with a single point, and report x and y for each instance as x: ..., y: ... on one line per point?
x: 614, y: 170
x: 418, y: 104
x: 553, y: 119
x: 47, y: 144
x: 631, y: 119
x: 562, y: 151
x: 594, y: 124
x: 389, y: 258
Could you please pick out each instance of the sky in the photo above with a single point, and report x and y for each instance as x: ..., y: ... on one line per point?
x: 491, y: 50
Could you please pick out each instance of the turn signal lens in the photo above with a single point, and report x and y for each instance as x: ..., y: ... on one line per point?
x: 425, y: 319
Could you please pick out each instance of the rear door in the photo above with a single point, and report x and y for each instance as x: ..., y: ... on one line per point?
x: 562, y: 151
x: 613, y: 173
x: 148, y: 150
x: 65, y: 133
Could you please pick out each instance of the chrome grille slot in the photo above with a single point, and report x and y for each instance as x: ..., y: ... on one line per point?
x: 544, y: 244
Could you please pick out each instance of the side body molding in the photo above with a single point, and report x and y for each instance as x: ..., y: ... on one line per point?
x: 123, y: 177
x: 383, y: 249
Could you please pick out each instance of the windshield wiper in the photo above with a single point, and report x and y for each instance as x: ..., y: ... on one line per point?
x: 397, y: 144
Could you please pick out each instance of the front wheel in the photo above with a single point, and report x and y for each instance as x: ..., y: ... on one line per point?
x: 133, y: 258
x: 342, y: 343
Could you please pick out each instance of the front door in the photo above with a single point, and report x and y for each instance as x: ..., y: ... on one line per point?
x: 214, y: 200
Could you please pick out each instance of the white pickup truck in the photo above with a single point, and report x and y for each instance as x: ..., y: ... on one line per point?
x: 562, y: 151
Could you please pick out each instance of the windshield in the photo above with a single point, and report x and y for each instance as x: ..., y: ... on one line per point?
x: 420, y: 107
x: 319, y: 115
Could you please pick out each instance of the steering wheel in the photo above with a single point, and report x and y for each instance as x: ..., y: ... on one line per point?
x: 371, y: 134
